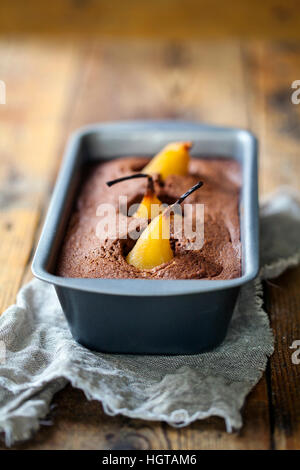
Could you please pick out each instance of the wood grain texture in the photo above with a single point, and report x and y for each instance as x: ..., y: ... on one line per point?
x: 56, y: 86
x: 37, y: 79
x: 276, y: 121
x: 146, y: 80
x: 156, y: 18
x: 271, y: 69
x: 283, y: 305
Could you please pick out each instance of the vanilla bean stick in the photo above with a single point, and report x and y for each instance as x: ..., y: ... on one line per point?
x: 130, y: 177
x: 190, y: 191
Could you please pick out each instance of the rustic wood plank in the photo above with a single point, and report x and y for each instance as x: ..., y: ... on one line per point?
x: 272, y: 67
x: 145, y: 80
x: 37, y: 77
x: 158, y: 18
x: 276, y: 121
x: 283, y: 304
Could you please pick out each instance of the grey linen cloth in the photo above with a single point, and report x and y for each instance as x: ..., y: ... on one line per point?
x: 39, y: 355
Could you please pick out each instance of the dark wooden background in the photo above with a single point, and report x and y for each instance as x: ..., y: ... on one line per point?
x: 239, y: 75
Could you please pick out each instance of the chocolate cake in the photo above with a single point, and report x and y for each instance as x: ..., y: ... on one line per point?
x: 83, y: 254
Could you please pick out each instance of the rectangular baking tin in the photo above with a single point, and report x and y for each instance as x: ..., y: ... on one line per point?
x: 139, y: 315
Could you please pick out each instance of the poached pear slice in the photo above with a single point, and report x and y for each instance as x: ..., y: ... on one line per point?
x: 153, y: 247
x: 173, y: 159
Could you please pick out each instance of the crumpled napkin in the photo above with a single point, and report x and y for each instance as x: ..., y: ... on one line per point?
x: 38, y: 355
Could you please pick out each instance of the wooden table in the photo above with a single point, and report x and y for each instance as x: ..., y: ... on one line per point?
x: 54, y: 86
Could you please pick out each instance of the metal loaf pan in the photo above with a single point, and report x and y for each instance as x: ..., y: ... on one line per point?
x: 142, y: 316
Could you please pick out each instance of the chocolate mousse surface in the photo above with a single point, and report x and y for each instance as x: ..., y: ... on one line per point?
x: 85, y: 254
